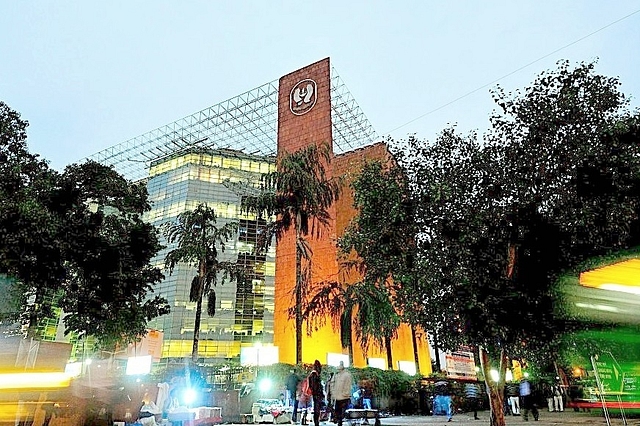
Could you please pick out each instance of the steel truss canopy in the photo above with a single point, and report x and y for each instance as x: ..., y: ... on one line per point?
x: 247, y: 123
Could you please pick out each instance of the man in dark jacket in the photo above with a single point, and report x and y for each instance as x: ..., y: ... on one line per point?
x: 317, y: 393
x: 292, y: 385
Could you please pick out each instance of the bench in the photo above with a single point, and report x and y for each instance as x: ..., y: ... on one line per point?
x: 360, y: 416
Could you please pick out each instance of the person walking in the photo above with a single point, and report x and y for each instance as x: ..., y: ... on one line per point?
x: 317, y: 392
x: 330, y: 399
x: 341, y: 388
x: 558, y: 395
x: 472, y: 393
x: 513, y: 394
x: 367, y: 396
x: 291, y: 384
x: 528, y: 404
x: 548, y: 394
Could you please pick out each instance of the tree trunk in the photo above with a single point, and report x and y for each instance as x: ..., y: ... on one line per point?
x: 298, y: 300
x: 495, y: 390
x: 414, y: 341
x: 387, y: 343
x: 436, y: 351
x: 196, y: 323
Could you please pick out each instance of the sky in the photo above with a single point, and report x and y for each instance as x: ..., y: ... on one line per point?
x: 91, y: 74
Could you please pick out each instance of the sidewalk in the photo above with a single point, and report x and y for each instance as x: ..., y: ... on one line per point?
x: 546, y: 419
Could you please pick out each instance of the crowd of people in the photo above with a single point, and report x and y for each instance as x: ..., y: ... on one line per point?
x: 328, y: 400
x: 521, y: 398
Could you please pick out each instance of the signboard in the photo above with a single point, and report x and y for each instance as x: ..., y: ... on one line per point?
x: 150, y: 344
x: 461, y: 365
x: 609, y: 373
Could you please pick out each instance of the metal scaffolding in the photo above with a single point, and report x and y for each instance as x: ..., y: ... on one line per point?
x: 247, y: 123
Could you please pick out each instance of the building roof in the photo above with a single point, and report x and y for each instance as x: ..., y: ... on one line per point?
x: 246, y: 122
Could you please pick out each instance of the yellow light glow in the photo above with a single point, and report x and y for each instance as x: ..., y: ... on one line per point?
x: 621, y: 276
x: 33, y: 380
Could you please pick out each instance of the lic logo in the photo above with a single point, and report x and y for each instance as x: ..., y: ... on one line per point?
x: 303, y: 97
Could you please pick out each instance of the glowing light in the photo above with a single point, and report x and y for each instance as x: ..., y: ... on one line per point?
x: 508, y: 376
x: 621, y: 276
x: 408, y: 367
x: 264, y: 385
x: 138, y: 365
x: 334, y: 359
x: 494, y: 375
x: 34, y: 380
x: 189, y: 395
x: 526, y: 375
x: 377, y: 363
x: 73, y: 369
x: 597, y: 307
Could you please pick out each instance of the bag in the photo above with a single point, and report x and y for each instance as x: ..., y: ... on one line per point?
x: 305, y: 388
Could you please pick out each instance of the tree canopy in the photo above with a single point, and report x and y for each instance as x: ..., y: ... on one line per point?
x: 497, y: 219
x: 554, y: 181
x: 75, y: 240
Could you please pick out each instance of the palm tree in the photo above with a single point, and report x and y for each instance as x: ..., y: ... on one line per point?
x: 296, y: 196
x: 199, y: 241
x: 362, y: 310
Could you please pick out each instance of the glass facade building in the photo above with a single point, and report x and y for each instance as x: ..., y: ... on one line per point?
x: 244, y: 310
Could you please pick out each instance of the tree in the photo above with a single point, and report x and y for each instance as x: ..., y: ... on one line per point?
x: 75, y: 240
x: 298, y: 195
x: 199, y: 242
x: 107, y: 249
x: 379, y: 250
x: 28, y: 250
x: 555, y: 181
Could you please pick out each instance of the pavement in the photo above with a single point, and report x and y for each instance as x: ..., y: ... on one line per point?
x: 568, y: 417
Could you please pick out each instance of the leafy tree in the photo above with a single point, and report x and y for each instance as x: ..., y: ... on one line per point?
x: 199, y: 242
x: 107, y: 249
x: 555, y: 181
x: 296, y: 196
x: 28, y: 229
x: 75, y: 239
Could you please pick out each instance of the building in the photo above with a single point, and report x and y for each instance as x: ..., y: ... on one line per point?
x: 192, y: 160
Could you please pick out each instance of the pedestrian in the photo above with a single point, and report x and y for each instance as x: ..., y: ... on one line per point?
x: 303, y: 402
x: 291, y: 384
x: 341, y: 388
x: 442, y: 402
x: 558, y: 395
x: 317, y: 393
x: 548, y: 394
x: 367, y: 396
x: 528, y: 404
x: 472, y: 393
x: 330, y: 399
x: 513, y: 394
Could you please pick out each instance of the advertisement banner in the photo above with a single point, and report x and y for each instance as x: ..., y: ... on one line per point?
x: 461, y: 365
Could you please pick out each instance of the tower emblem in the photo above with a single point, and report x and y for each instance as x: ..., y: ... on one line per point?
x: 303, y: 97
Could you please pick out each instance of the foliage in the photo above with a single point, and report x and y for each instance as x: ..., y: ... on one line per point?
x: 554, y: 182
x: 501, y: 220
x: 77, y: 239
x: 28, y: 229
x: 199, y: 243
x: 377, y: 252
x: 296, y: 195
x: 107, y: 250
